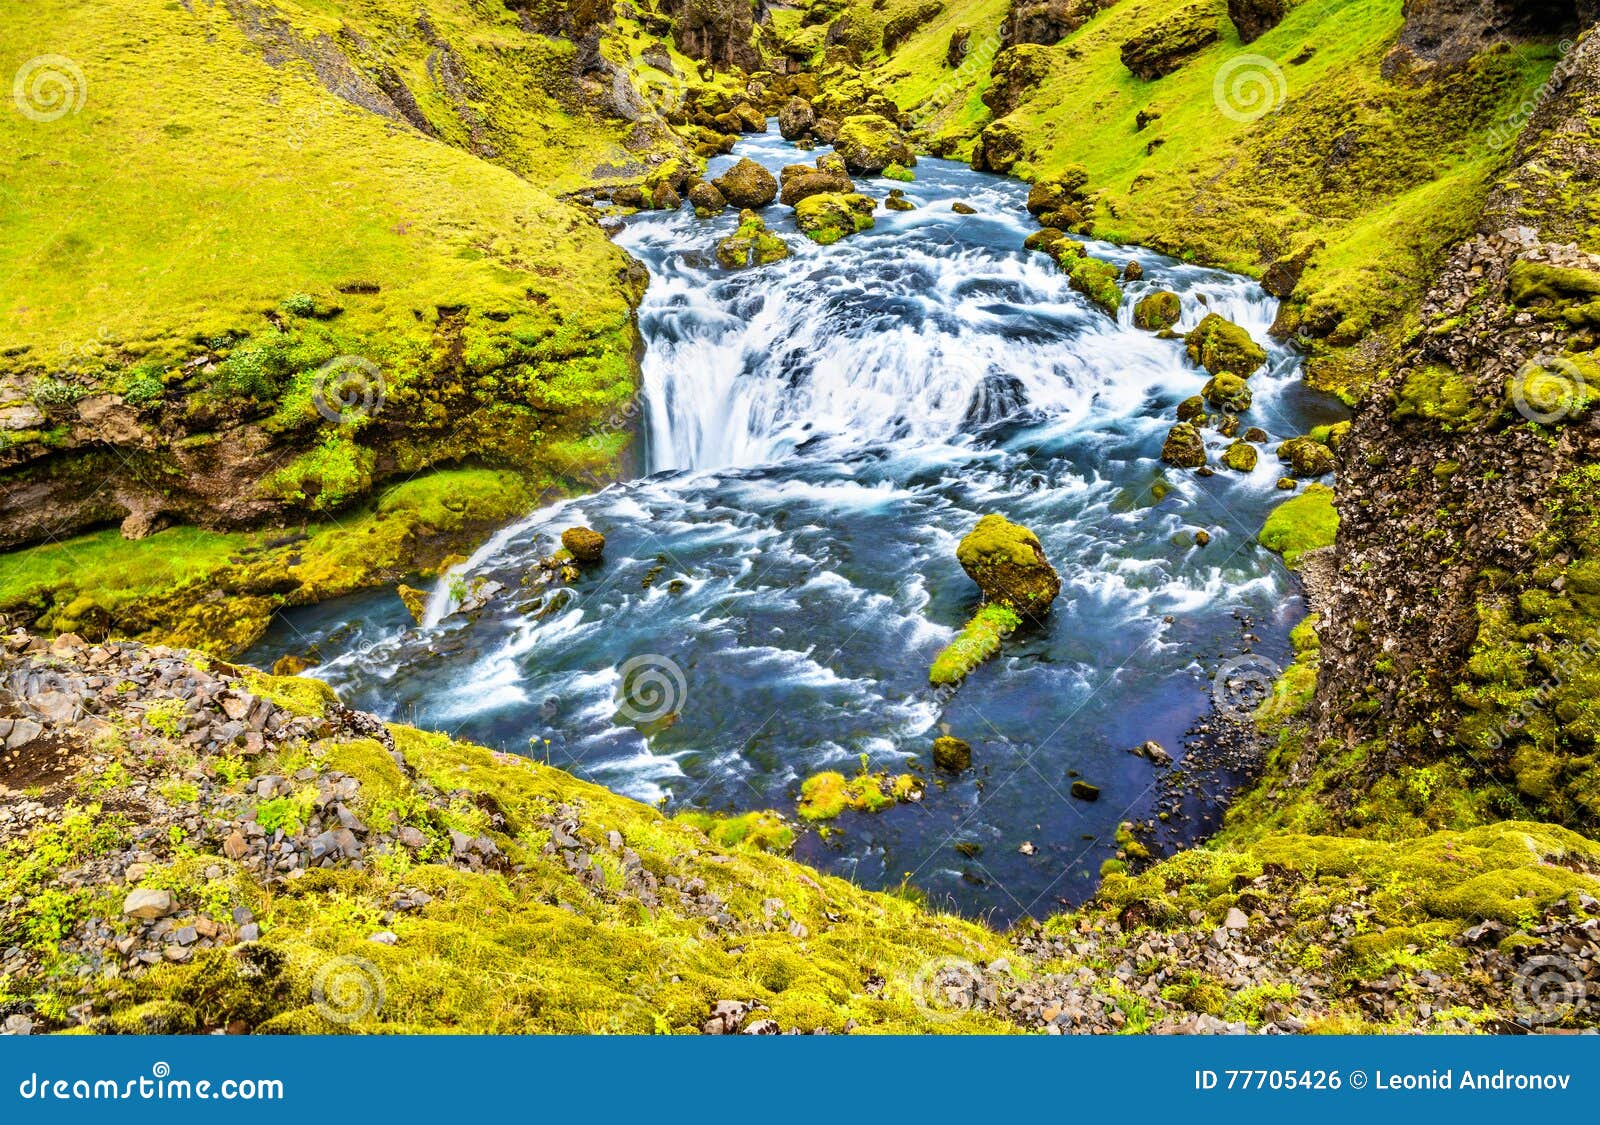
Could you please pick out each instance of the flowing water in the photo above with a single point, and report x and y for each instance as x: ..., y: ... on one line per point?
x: 820, y: 433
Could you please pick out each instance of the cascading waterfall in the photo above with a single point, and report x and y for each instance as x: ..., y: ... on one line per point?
x: 821, y: 433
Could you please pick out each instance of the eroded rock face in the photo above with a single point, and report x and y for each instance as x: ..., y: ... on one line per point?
x: 1466, y: 545
x: 1163, y: 46
x: 1007, y: 562
x: 718, y: 31
x: 1254, y: 18
x: 1447, y: 33
x: 1018, y: 72
x: 1049, y: 21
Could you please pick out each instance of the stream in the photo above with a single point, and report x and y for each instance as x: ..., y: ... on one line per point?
x: 819, y: 434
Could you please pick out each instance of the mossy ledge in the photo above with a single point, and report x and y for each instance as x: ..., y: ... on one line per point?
x: 220, y: 845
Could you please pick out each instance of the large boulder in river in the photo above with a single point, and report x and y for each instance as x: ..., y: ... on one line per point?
x: 1306, y: 457
x: 796, y: 118
x: 747, y: 184
x: 707, y: 199
x: 803, y: 180
x: 1227, y: 392
x: 751, y: 245
x: 1184, y: 447
x: 870, y: 143
x: 1157, y: 311
x: 584, y: 544
x: 827, y: 218
x: 1218, y: 345
x: 1007, y: 562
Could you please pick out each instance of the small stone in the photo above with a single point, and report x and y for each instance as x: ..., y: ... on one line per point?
x: 385, y: 937
x: 1236, y: 919
x: 148, y: 904
x: 250, y: 931
x: 186, y: 935
x: 951, y: 754
x: 586, y: 544
x: 235, y: 846
x: 1085, y: 792
x: 1202, y: 537
x: 411, y: 837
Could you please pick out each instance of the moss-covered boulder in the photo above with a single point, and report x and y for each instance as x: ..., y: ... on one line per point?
x: 415, y: 601
x: 1306, y: 456
x: 1191, y: 408
x: 1162, y: 47
x: 1157, y: 311
x: 752, y: 244
x: 869, y: 143
x: 828, y: 217
x: 1219, y: 345
x: 1227, y: 392
x: 1184, y: 447
x: 897, y: 201
x: 951, y: 754
x: 1007, y: 562
x: 1304, y: 523
x: 978, y: 640
x: 707, y: 200
x: 584, y: 543
x: 796, y: 118
x: 899, y: 172
x: 1043, y: 239
x: 801, y: 181
x: 1241, y: 457
x: 1096, y: 280
x: 747, y: 184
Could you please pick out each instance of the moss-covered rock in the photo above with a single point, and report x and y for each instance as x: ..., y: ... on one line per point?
x: 1304, y: 523
x: 796, y: 119
x: 899, y: 172
x: 1192, y: 408
x: 827, y: 795
x: 979, y: 639
x: 751, y: 244
x: 830, y: 216
x: 1184, y: 447
x: 585, y: 544
x: 1218, y: 345
x: 707, y: 200
x: 869, y: 143
x: 951, y: 754
x: 1306, y: 456
x: 1158, y: 310
x: 1163, y: 46
x: 897, y: 201
x: 1095, y: 279
x: 1007, y: 562
x: 1241, y: 457
x: 1227, y: 392
x: 829, y: 175
x: 747, y: 185
x: 1254, y: 18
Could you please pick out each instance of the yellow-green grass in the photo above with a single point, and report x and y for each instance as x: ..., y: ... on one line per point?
x: 1300, y: 524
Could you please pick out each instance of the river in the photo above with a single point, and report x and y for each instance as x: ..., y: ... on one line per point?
x: 819, y: 434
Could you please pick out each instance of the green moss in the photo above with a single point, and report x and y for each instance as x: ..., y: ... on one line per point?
x: 828, y: 216
x: 1158, y: 310
x: 1221, y: 346
x: 1096, y: 280
x: 1437, y: 393
x: 165, y: 587
x: 979, y: 639
x: 899, y: 172
x: 763, y: 831
x: 827, y: 795
x: 1302, y: 523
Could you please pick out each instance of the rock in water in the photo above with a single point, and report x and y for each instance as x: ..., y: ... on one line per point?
x: 747, y: 184
x: 951, y: 754
x: 1219, y: 345
x: 751, y: 245
x: 1085, y: 792
x: 801, y: 181
x: 1008, y: 564
x: 586, y: 544
x: 997, y: 398
x: 828, y: 217
x: 1306, y: 456
x: 416, y: 601
x: 1157, y: 310
x: 870, y: 143
x: 1184, y: 447
x: 796, y: 119
x: 707, y: 199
